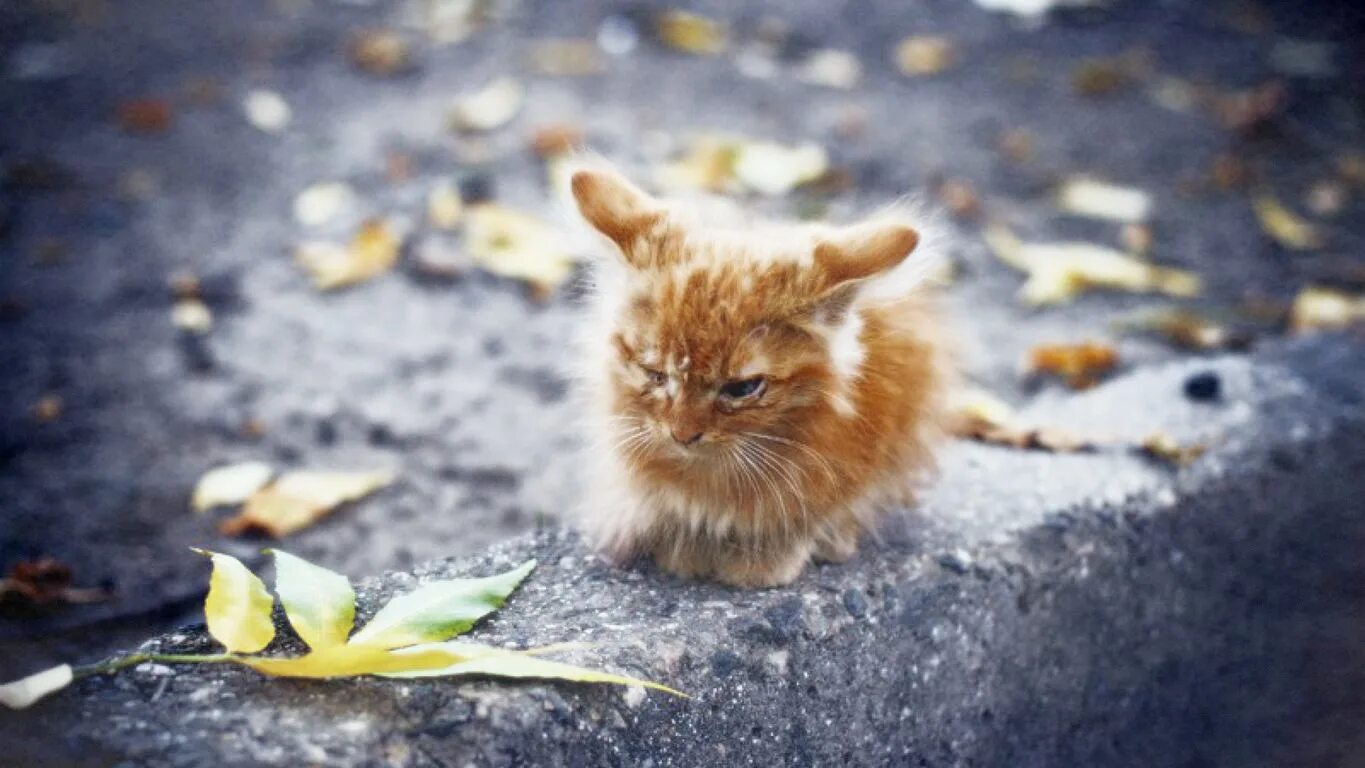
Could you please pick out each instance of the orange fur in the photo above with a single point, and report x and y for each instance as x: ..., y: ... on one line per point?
x: 749, y: 489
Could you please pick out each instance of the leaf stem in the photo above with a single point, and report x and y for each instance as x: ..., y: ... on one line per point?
x: 133, y: 659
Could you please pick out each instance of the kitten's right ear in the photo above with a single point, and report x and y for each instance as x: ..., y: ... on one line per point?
x: 614, y: 206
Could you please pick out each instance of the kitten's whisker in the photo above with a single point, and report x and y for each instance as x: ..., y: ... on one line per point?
x: 812, y: 453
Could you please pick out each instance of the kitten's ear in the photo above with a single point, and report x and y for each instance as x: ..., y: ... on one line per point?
x: 864, y: 250
x: 614, y: 206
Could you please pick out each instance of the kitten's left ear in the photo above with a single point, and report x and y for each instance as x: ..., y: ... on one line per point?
x: 864, y: 250
x: 614, y: 206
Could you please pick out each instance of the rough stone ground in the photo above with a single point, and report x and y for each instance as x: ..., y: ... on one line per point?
x: 461, y: 385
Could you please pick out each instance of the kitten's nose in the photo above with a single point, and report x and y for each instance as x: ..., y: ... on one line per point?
x: 684, y: 438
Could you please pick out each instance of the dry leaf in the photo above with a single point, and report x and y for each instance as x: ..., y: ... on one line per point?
x: 373, y: 250
x: 48, y: 409
x: 145, y: 115
x: 445, y: 207
x: 1318, y: 309
x: 1284, y: 225
x: 230, y: 484
x: 1079, y: 365
x: 380, y: 52
x: 298, y: 499
x: 192, y: 315
x: 321, y: 203
x: 1060, y: 271
x: 1084, y: 196
x: 1190, y: 330
x: 21, y: 694
x: 708, y: 165
x: 832, y: 68
x: 490, y: 108
x: 691, y: 33
x: 774, y: 169
x: 980, y: 416
x: 48, y: 581
x: 921, y: 55
x: 565, y: 57
x: 516, y: 245
x: 1162, y: 446
x: 266, y: 110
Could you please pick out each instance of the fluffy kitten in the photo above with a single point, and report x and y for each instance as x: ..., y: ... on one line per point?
x: 757, y: 390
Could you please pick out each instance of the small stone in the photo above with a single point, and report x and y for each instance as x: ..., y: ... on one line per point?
x: 267, y: 110
x: 617, y: 35
x: 855, y: 603
x: 956, y: 561
x: 725, y: 663
x: 1203, y: 387
x: 476, y: 188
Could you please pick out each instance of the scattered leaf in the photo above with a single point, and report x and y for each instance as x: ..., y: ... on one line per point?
x: 266, y: 110
x: 145, y: 115
x: 230, y: 484
x: 238, y: 607
x: 920, y: 55
x: 1163, y: 447
x: 708, y: 164
x: 21, y: 694
x: 373, y: 251
x: 516, y: 245
x: 298, y: 499
x: 497, y: 662
x: 1088, y: 197
x: 192, y: 315
x: 381, y: 52
x: 691, y: 33
x: 774, y: 169
x: 439, y: 610
x: 1058, y: 272
x: 1190, y: 330
x: 980, y: 416
x: 831, y: 68
x: 1317, y: 309
x: 1284, y: 225
x: 321, y: 203
x: 565, y: 57
x: 489, y: 108
x: 445, y: 207
x: 319, y: 603
x: 1079, y: 365
x: 48, y: 581
x: 48, y: 409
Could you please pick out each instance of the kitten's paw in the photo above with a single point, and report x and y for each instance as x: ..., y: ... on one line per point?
x: 758, y: 572
x: 837, y: 549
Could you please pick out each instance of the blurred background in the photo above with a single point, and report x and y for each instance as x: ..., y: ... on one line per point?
x: 282, y: 236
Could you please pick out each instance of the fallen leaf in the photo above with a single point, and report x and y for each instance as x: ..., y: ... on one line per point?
x: 372, y: 251
x: 497, y: 662
x: 47, y: 581
x: 48, y: 409
x: 1083, y: 196
x: 266, y: 110
x: 770, y: 168
x: 320, y: 203
x: 1162, y: 446
x: 1317, y: 309
x: 319, y: 603
x: 381, y: 52
x: 439, y: 610
x: 831, y: 68
x: 347, y: 660
x: 1079, y: 365
x: 980, y: 416
x: 1101, y: 77
x: 565, y: 57
x: 1284, y: 225
x: 920, y: 55
x: 21, y: 694
x: 959, y: 197
x: 192, y: 315
x: 298, y: 499
x: 708, y: 165
x: 1190, y: 330
x: 445, y: 207
x: 489, y: 108
x: 230, y: 484
x: 145, y: 115
x: 516, y: 245
x: 691, y: 33
x: 238, y: 607
x: 1058, y: 272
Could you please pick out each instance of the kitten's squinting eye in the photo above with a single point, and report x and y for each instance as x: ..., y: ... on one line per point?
x: 743, y: 388
x: 656, y: 378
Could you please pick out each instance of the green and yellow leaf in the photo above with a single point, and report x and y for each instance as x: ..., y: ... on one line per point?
x: 21, y: 694
x: 487, y: 661
x: 238, y: 606
x: 439, y: 610
x: 319, y: 603
x: 351, y: 660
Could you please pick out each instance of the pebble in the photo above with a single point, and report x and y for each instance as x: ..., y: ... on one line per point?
x: 1204, y: 387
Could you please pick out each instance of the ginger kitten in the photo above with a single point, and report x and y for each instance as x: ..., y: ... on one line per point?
x: 757, y: 391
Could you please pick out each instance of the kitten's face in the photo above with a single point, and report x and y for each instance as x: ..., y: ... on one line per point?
x: 727, y: 337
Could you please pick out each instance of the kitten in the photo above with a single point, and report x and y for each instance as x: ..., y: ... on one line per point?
x: 757, y: 390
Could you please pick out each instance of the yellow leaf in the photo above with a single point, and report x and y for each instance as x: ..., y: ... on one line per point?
x: 238, y: 607
x: 372, y: 251
x: 773, y: 169
x: 490, y: 108
x: 486, y: 661
x: 1284, y: 225
x: 351, y: 660
x: 319, y: 603
x: 513, y: 244
x: 692, y: 33
x: 299, y: 499
x: 439, y: 610
x: 1094, y: 199
x: 920, y: 55
x: 708, y: 164
x: 21, y: 694
x: 230, y: 484
x: 1318, y: 309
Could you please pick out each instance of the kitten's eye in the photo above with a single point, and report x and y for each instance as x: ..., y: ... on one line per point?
x: 656, y: 378
x: 743, y: 388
